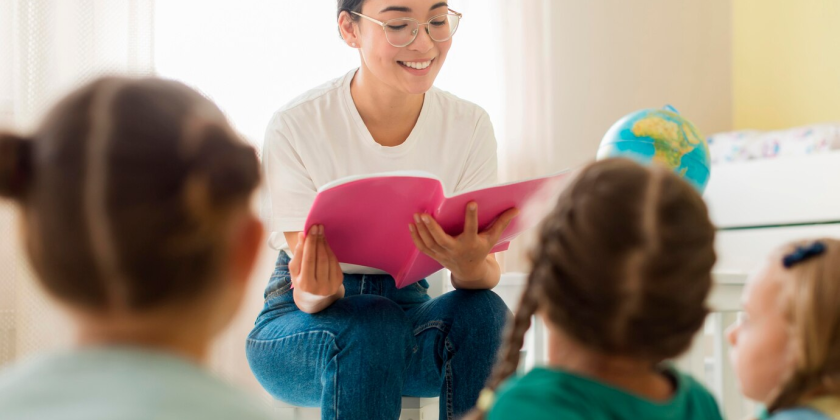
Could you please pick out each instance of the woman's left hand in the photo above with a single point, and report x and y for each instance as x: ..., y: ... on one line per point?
x: 464, y: 255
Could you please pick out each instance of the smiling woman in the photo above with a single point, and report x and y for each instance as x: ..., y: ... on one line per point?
x: 344, y: 337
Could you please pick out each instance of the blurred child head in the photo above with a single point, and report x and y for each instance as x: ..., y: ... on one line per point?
x: 134, y: 197
x: 622, y: 266
x: 786, y: 348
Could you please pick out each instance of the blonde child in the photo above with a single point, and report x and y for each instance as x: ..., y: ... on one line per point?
x: 786, y: 348
x: 621, y: 272
x: 134, y: 202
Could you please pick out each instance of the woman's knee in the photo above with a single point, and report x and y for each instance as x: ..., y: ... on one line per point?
x: 482, y: 311
x: 373, y: 321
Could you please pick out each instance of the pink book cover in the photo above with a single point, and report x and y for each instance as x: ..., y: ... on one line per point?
x: 366, y: 217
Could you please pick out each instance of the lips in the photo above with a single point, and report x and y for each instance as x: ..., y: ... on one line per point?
x: 417, y: 65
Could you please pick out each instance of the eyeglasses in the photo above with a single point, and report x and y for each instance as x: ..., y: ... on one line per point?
x: 401, y: 32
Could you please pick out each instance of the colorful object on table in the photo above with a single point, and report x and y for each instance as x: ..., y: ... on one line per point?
x: 662, y: 136
x: 366, y: 218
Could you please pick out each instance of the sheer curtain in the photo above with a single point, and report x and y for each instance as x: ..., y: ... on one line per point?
x: 48, y: 47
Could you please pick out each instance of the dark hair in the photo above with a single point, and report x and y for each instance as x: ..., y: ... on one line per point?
x: 349, y: 6
x: 622, y: 265
x: 126, y: 191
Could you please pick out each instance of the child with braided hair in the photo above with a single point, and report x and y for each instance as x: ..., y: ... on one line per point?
x: 786, y: 347
x: 620, y: 275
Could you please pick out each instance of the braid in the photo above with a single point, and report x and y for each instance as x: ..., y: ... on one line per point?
x: 508, y: 360
x: 514, y: 338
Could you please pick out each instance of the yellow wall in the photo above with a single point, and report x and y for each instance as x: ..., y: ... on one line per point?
x: 786, y: 62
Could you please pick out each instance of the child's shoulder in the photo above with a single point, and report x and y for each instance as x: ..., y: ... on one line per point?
x: 820, y: 408
x: 535, y: 395
x: 696, y: 396
x: 799, y: 413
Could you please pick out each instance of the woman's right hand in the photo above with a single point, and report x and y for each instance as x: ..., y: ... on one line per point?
x: 316, y: 275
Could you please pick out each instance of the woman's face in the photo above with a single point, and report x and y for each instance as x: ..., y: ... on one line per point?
x: 392, y: 65
x: 761, y: 352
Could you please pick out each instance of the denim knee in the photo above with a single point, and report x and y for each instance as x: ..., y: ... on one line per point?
x: 482, y: 312
x: 376, y: 325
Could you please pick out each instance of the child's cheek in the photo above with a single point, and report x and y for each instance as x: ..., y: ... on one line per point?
x: 745, y: 357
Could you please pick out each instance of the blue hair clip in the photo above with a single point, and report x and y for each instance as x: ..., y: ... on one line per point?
x: 803, y: 253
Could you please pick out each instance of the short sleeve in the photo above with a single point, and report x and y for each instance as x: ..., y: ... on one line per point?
x: 482, y: 165
x: 290, y: 190
x: 533, y: 404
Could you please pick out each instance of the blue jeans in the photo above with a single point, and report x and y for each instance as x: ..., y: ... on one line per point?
x: 357, y: 358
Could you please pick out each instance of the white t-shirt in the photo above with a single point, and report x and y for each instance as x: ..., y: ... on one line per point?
x: 320, y: 137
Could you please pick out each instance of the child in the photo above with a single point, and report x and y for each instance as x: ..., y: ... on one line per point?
x: 786, y: 349
x: 620, y: 276
x: 134, y: 197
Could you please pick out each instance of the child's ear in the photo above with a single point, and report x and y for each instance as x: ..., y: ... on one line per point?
x: 349, y: 29
x: 247, y: 248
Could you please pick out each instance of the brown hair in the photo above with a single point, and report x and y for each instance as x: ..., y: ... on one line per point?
x: 622, y: 265
x: 349, y: 6
x: 811, y: 301
x: 126, y: 192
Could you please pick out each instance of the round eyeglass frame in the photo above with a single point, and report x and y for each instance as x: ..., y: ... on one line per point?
x: 419, y: 24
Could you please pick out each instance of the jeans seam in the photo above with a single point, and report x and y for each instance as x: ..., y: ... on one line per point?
x: 261, y: 341
x: 439, y: 325
x: 450, y: 350
x: 279, y: 292
x: 335, y: 380
x: 450, y: 410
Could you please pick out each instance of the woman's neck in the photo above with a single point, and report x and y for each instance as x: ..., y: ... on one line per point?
x: 389, y: 114
x: 639, y: 377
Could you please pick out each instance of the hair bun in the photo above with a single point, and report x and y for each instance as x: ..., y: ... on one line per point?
x: 15, y: 166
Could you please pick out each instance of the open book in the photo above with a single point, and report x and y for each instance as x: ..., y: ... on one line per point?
x: 366, y: 217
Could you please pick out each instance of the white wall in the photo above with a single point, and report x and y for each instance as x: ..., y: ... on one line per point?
x: 608, y: 58
x: 576, y: 67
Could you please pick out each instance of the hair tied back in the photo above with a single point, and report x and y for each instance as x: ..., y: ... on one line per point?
x: 803, y: 253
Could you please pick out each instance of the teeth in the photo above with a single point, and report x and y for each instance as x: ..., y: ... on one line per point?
x: 417, y: 65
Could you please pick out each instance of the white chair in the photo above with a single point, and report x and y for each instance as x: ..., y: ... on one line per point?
x: 708, y: 358
x: 412, y: 409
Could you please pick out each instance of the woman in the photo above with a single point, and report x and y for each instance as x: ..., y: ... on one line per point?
x: 344, y: 338
x: 135, y: 204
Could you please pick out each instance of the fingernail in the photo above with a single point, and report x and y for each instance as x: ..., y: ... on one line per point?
x: 411, y: 228
x: 416, y: 218
x: 426, y: 219
x: 473, y: 206
x: 313, y: 230
x: 321, y: 230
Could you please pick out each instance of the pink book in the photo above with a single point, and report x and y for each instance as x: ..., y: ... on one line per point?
x: 366, y: 217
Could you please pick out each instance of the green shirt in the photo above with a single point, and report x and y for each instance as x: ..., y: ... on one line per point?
x: 119, y: 384
x: 554, y: 394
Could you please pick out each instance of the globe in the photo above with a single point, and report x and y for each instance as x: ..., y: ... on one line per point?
x: 660, y: 136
